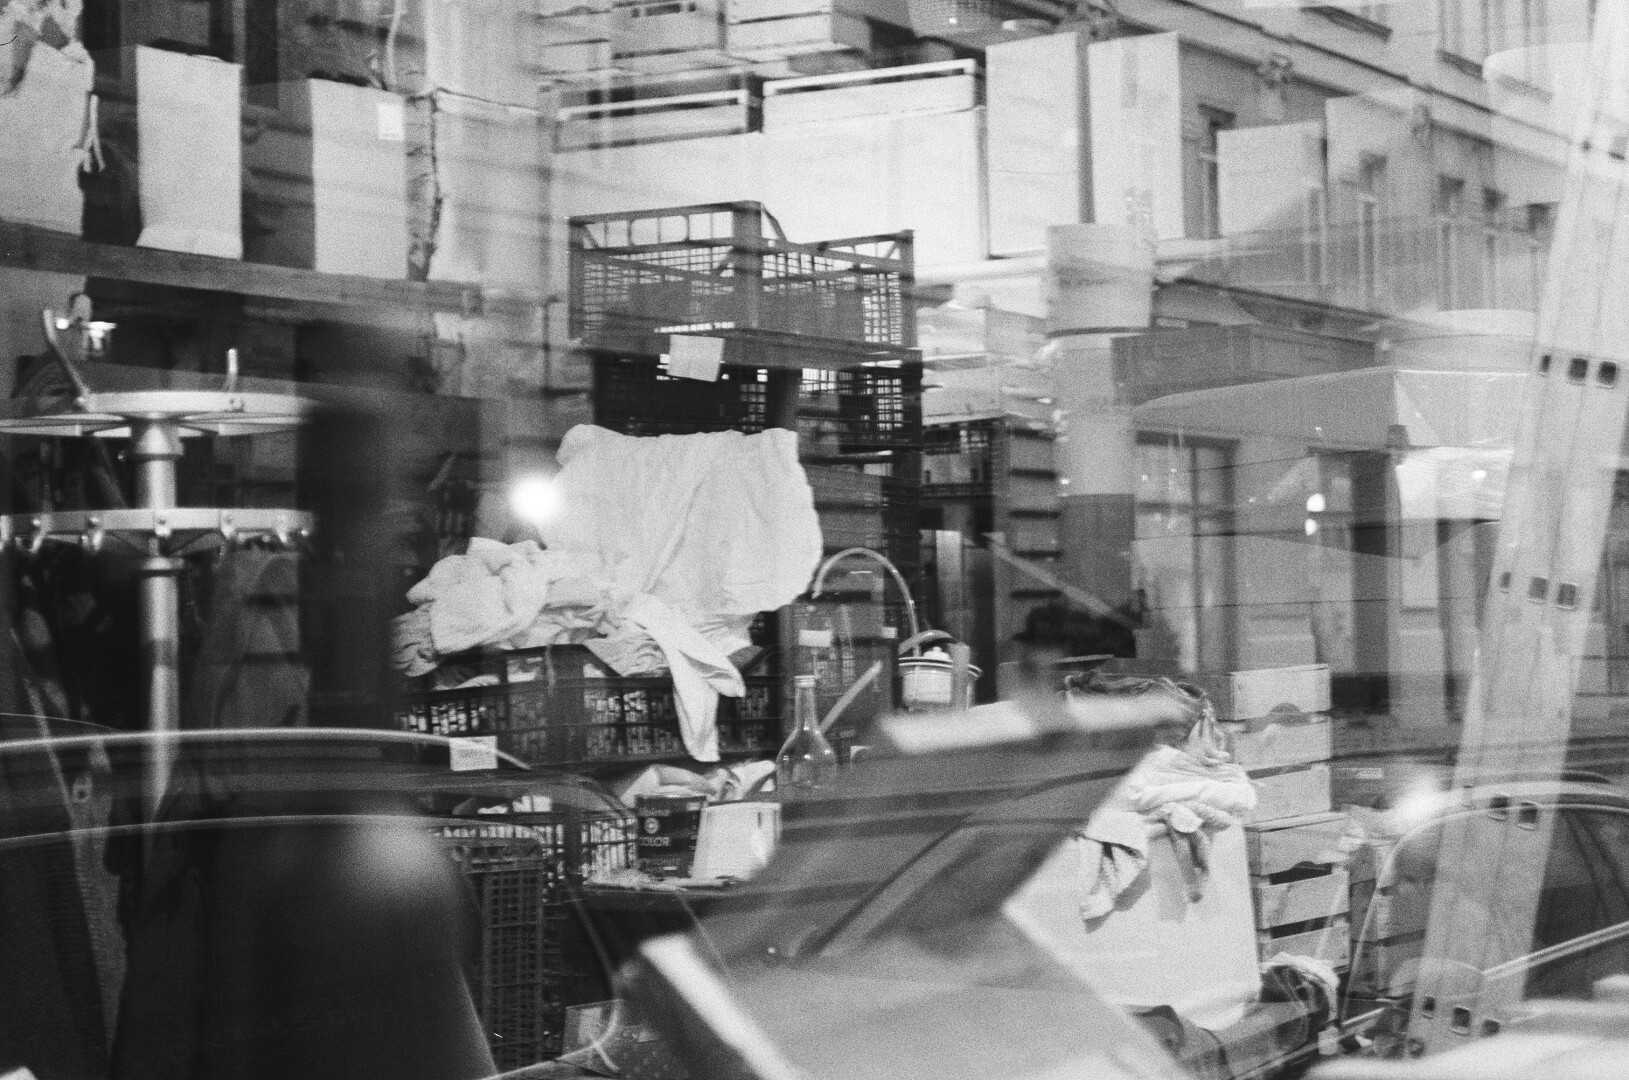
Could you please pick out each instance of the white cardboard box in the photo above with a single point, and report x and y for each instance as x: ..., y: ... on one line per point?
x: 1276, y: 846
x: 335, y: 163
x: 42, y: 125
x: 1277, y: 744
x: 796, y: 35
x: 190, y: 173
x: 1248, y: 695
x: 1292, y: 793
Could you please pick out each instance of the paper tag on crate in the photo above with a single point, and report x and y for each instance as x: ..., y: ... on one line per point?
x: 473, y: 753
x: 691, y: 356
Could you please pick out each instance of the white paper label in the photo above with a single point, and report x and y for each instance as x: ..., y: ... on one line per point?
x: 474, y: 752
x: 695, y: 357
x: 392, y: 121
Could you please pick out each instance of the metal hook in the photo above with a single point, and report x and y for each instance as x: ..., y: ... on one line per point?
x: 229, y: 530
x: 282, y: 533
x: 94, y: 536
x: 36, y: 542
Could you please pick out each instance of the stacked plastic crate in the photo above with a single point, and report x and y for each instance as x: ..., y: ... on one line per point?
x: 819, y: 338
x: 518, y: 872
x: 1278, y: 723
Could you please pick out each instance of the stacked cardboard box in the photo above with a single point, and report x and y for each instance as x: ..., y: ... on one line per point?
x: 1279, y: 730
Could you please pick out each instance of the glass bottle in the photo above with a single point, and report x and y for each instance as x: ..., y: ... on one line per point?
x: 806, y: 761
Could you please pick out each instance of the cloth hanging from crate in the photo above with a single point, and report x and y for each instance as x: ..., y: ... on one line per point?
x: 699, y: 533
x: 719, y: 523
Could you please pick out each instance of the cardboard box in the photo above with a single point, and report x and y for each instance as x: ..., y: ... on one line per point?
x: 492, y: 179
x: 189, y: 138
x: 1247, y: 695
x: 1304, y: 899
x: 1271, y: 743
x: 796, y: 35
x: 1291, y: 793
x: 1277, y: 846
x: 333, y: 168
x: 42, y: 123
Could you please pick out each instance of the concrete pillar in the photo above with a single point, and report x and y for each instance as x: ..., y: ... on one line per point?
x: 1100, y: 281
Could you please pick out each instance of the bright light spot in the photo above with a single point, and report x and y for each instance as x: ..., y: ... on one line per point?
x: 1417, y: 805
x: 1479, y: 475
x: 1311, y: 527
x: 1315, y: 503
x: 534, y: 499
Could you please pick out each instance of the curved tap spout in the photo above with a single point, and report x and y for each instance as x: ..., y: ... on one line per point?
x: 916, y: 635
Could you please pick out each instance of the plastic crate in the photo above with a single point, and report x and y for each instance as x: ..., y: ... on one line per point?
x: 517, y: 870
x: 984, y: 458
x: 854, y: 411
x: 560, y: 705
x: 728, y: 267
x: 861, y: 509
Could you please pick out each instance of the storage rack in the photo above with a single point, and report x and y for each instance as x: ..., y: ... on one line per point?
x: 156, y: 422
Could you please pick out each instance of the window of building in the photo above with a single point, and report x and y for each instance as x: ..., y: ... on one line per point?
x: 1371, y: 189
x: 1450, y: 209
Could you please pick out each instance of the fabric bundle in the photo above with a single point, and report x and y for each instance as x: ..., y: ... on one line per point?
x: 1191, y: 789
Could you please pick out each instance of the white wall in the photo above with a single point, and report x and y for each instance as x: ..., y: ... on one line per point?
x: 822, y: 181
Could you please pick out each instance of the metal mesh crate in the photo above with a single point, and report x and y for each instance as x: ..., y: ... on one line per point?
x: 517, y: 871
x: 859, y: 410
x: 561, y: 705
x: 728, y: 268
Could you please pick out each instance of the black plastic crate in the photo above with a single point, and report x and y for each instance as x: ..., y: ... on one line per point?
x: 859, y: 410
x: 561, y: 705
x: 728, y: 267
x: 517, y: 871
x: 985, y: 458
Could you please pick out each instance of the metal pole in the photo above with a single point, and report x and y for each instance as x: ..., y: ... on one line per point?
x: 156, y: 449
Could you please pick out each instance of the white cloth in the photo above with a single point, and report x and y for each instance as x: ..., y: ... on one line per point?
x: 1187, y: 790
x: 698, y: 533
x: 491, y: 595
x: 701, y: 672
x: 713, y: 524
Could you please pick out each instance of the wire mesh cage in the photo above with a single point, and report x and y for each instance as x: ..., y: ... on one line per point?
x: 727, y: 268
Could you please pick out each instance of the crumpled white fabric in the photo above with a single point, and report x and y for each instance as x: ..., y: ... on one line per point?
x: 701, y: 672
x: 712, y: 524
x: 490, y: 595
x: 1188, y: 789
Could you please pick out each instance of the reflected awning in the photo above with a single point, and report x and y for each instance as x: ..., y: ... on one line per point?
x: 1352, y: 410
x: 1460, y: 428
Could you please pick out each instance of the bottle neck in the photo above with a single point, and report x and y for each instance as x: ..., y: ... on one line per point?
x: 807, y: 713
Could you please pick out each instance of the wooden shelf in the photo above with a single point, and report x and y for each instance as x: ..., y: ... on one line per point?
x: 29, y: 247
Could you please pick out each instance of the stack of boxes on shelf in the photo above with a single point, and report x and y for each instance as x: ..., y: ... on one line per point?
x: 1281, y: 734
